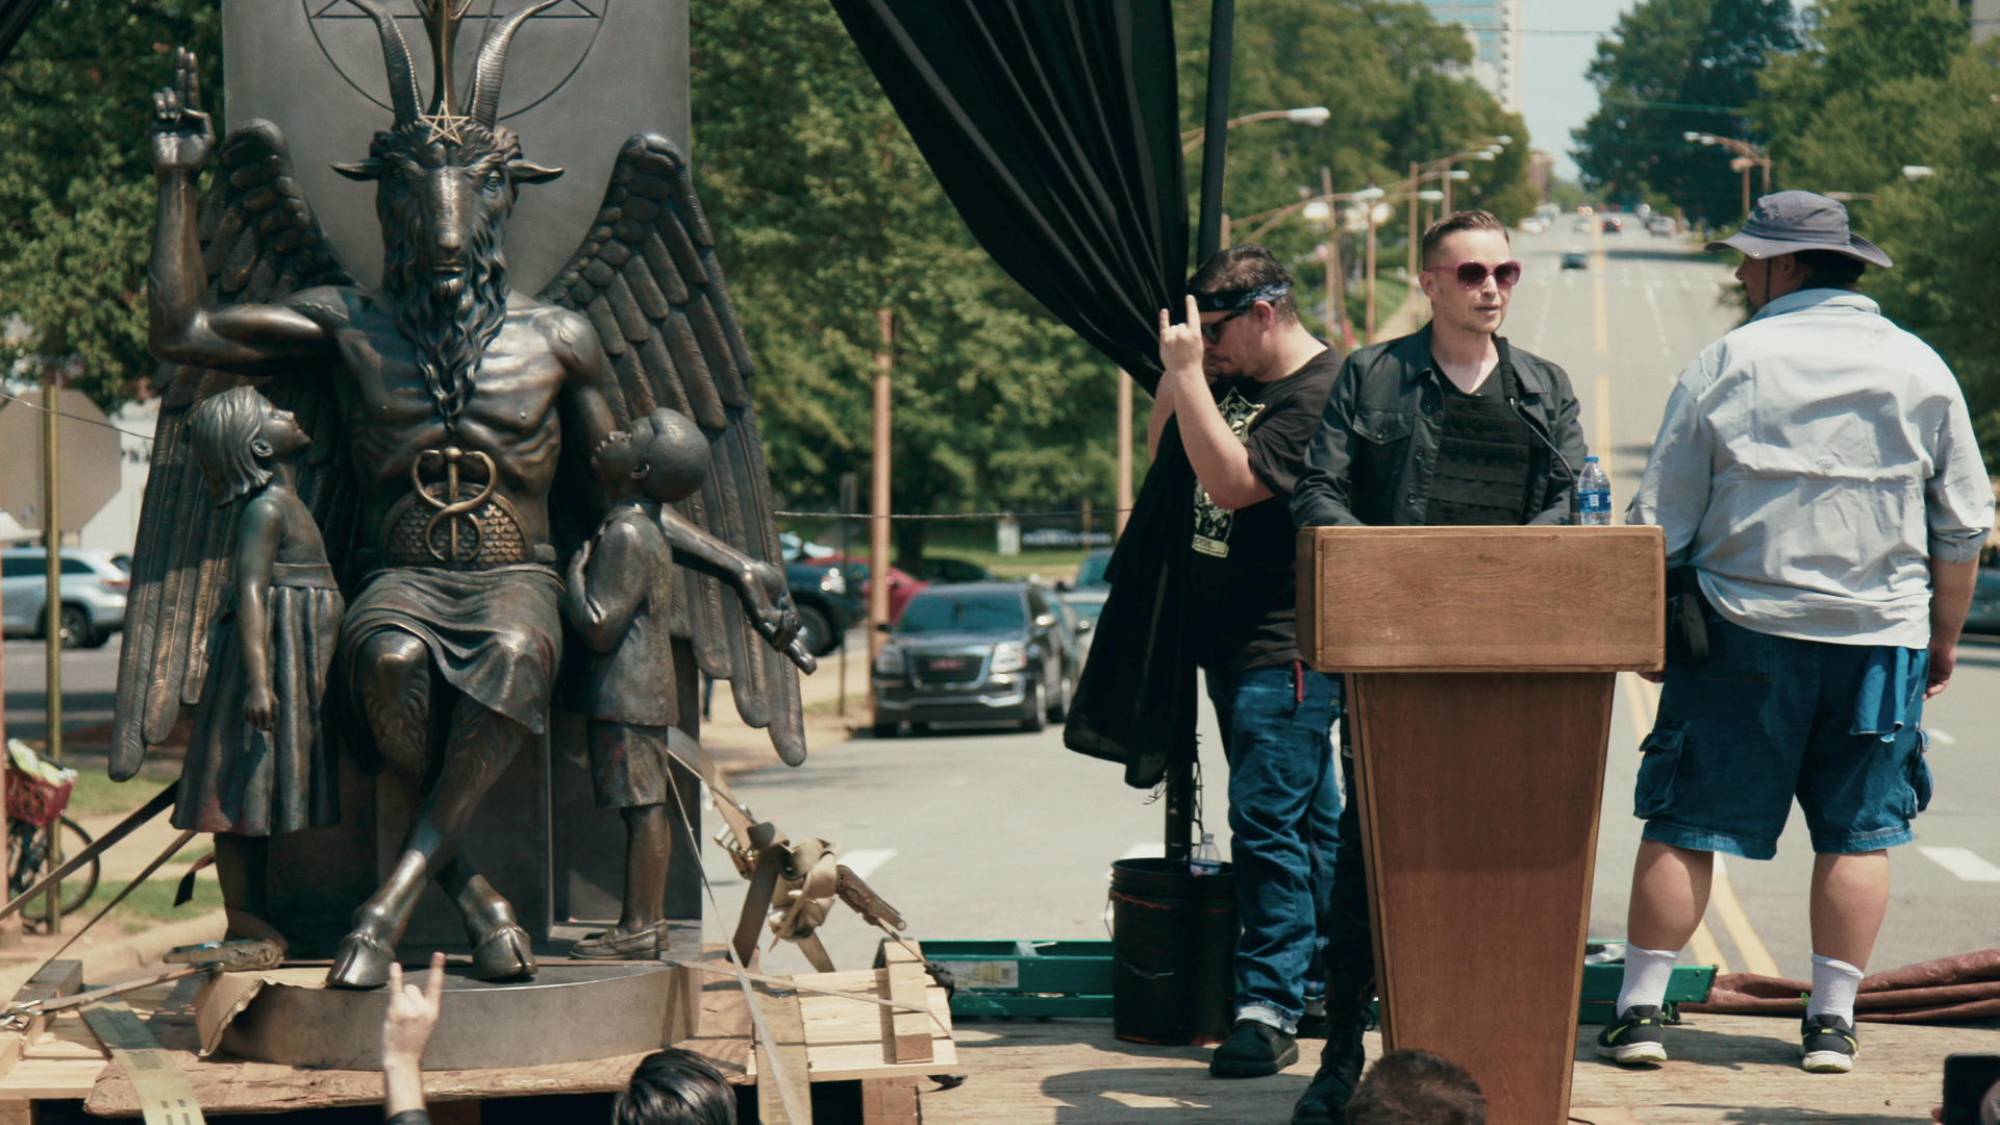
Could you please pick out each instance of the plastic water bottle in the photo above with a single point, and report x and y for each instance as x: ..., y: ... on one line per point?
x: 1206, y: 859
x: 1593, y: 495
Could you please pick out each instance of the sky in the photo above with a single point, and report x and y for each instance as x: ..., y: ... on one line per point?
x: 1555, y: 95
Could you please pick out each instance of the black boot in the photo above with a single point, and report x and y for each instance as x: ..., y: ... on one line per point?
x: 1325, y: 1100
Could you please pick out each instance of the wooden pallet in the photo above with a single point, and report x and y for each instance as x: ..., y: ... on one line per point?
x: 843, y: 1041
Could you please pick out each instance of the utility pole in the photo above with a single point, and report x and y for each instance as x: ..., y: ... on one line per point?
x: 850, y: 487
x: 1371, y: 205
x: 878, y: 525
x: 1124, y: 512
x: 53, y: 645
x: 1336, y: 297
x: 1416, y: 232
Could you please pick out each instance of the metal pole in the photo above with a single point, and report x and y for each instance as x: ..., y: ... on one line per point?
x: 1766, y: 162
x: 1221, y: 45
x: 1124, y: 454
x: 1370, y: 204
x: 1215, y: 143
x: 849, y: 486
x: 1416, y: 185
x: 1447, y: 189
x: 53, y: 645
x: 878, y: 527
x: 1331, y: 249
x: 1746, y: 190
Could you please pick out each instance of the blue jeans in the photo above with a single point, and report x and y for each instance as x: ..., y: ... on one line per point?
x: 1284, y: 814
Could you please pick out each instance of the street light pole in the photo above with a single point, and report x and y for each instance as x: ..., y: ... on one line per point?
x: 1371, y: 205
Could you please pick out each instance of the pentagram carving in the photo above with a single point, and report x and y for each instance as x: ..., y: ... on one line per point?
x: 346, y: 37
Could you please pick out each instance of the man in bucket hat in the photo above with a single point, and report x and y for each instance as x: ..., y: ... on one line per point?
x: 1817, y: 472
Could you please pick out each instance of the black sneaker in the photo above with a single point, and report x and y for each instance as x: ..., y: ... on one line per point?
x: 1312, y: 1025
x: 1828, y: 1044
x: 1253, y: 1049
x: 1636, y: 1039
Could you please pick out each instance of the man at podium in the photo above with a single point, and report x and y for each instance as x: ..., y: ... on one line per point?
x: 1450, y: 425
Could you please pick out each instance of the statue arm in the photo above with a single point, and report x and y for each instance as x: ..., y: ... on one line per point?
x: 249, y: 339
x: 256, y: 548
x: 604, y: 588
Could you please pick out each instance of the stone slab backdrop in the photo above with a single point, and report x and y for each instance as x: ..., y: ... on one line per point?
x: 581, y: 78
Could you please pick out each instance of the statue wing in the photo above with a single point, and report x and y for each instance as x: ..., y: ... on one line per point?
x: 648, y: 279
x: 260, y: 243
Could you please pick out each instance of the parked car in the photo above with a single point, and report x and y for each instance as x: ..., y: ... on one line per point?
x: 1614, y: 225
x: 944, y: 568
x: 93, y: 587
x: 902, y: 585
x: 793, y: 547
x: 1087, y: 603
x: 981, y: 652
x: 1575, y: 260
x: 1660, y: 226
x: 1090, y: 572
x: 819, y: 589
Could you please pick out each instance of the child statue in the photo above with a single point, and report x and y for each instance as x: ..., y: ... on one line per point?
x: 259, y: 761
x: 619, y: 598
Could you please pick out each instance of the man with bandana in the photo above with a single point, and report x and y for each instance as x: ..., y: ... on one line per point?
x: 1245, y: 385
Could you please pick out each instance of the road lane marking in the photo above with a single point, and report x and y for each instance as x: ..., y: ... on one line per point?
x: 1155, y: 850
x: 1722, y: 896
x: 867, y: 861
x: 1965, y: 863
x: 1643, y: 701
x: 1941, y: 737
x: 1603, y: 442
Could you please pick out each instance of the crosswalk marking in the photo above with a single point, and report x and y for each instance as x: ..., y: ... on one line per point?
x: 1964, y: 863
x: 866, y: 861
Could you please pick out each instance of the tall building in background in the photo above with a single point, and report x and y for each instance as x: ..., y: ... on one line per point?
x: 1985, y: 19
x: 1494, y: 26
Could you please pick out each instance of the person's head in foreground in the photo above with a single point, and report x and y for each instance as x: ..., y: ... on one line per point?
x: 676, y: 1087
x: 1469, y: 272
x: 1416, y: 1088
x: 1248, y: 313
x: 1796, y: 240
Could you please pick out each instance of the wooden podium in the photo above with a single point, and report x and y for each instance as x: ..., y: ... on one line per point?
x: 1481, y: 663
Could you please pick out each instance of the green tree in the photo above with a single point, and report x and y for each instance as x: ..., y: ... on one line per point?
x: 1670, y: 67
x: 76, y: 197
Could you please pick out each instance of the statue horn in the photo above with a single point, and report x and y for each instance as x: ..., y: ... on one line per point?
x: 396, y: 54
x: 493, y: 63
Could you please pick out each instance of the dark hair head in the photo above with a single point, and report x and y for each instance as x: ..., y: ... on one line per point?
x: 675, y: 1087
x: 1830, y: 269
x: 1244, y: 270
x: 221, y: 428
x: 1417, y: 1088
x: 1454, y: 223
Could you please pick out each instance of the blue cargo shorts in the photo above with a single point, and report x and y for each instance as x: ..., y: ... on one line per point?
x: 1768, y: 719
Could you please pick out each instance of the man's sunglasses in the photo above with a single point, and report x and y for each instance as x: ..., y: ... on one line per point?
x: 1212, y: 331
x: 1472, y: 275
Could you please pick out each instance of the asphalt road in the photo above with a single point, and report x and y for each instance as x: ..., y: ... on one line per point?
x: 992, y: 834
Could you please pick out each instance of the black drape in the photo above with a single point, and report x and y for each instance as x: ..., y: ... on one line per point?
x: 14, y: 17
x: 1053, y: 125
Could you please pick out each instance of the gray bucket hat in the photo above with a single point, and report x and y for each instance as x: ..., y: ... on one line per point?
x: 1787, y: 222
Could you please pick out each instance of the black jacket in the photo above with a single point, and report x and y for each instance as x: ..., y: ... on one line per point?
x: 1374, y: 456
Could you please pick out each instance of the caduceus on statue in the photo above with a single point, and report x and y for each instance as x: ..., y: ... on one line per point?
x: 453, y: 399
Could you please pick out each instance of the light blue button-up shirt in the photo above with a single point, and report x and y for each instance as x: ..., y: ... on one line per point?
x: 1810, y: 465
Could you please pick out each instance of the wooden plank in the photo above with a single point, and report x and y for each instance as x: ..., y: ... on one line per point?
x: 1483, y: 599
x: 890, y: 1101
x: 784, y: 1077
x: 34, y: 1079
x: 844, y: 1037
x: 906, y: 1034
x: 52, y: 981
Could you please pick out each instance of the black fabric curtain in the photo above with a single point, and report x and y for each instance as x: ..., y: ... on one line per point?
x: 14, y: 17
x: 1054, y: 127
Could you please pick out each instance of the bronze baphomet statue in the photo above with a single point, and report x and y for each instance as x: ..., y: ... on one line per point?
x: 453, y: 423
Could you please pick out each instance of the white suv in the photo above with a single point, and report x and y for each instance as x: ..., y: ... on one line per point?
x: 93, y: 588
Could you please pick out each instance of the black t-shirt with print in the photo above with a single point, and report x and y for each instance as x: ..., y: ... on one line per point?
x: 1242, y: 580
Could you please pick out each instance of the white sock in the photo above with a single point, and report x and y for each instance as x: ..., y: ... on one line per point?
x: 1834, y: 986
x: 1647, y: 972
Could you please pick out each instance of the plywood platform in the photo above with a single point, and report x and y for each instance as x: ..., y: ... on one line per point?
x: 1732, y: 1069
x: 844, y: 1040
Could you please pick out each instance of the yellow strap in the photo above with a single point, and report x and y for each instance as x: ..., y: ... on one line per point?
x: 165, y: 1095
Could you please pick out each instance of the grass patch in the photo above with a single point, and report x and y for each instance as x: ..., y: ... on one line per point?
x: 98, y: 795
x: 153, y: 903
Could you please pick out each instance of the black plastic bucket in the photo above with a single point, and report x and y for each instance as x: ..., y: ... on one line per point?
x: 1173, y: 936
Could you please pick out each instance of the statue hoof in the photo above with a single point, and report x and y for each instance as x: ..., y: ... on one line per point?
x: 503, y: 954
x: 360, y: 961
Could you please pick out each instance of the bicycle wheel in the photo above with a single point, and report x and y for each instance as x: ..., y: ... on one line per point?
x: 28, y: 861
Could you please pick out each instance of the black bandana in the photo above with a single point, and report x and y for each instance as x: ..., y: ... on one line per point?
x: 1233, y: 300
